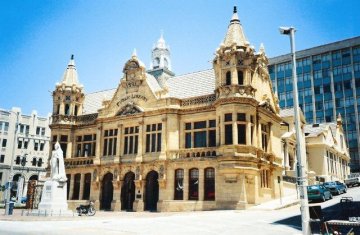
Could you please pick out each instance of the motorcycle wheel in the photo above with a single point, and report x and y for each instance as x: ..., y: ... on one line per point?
x: 91, y: 211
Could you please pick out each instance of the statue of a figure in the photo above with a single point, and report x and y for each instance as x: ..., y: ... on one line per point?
x: 57, y: 164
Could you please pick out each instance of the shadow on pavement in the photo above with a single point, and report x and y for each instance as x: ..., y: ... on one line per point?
x: 339, y: 211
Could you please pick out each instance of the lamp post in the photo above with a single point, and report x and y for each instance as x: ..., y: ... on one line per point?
x: 300, y: 143
x: 9, y: 183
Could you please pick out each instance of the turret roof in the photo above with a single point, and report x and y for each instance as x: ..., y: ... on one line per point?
x: 235, y: 33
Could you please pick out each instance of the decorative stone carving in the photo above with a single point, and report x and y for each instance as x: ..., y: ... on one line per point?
x: 129, y: 109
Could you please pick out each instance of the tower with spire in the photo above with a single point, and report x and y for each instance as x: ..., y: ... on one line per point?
x: 240, y: 70
x: 160, y: 65
x: 68, y: 96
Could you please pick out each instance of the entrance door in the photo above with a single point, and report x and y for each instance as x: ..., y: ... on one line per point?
x: 106, y: 192
x: 128, y: 192
x: 151, y: 191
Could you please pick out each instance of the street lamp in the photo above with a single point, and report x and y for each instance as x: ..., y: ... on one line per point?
x: 9, y: 183
x: 300, y: 142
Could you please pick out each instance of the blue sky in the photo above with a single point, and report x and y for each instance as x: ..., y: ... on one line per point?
x: 38, y: 37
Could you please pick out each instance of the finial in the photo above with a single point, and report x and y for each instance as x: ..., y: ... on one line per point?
x: 235, y: 10
x: 262, y: 48
x: 72, y: 57
x: 134, y: 53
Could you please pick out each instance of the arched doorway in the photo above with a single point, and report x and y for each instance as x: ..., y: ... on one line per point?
x: 14, y: 186
x: 107, y: 192
x: 128, y: 192
x: 151, y: 191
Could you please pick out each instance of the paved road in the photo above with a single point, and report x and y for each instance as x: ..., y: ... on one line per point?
x: 284, y: 221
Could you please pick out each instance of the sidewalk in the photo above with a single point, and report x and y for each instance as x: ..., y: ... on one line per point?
x: 277, y: 204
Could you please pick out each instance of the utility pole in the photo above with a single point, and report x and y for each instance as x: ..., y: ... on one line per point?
x: 300, y: 142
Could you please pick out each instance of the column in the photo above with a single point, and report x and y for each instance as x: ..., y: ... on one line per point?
x: 99, y: 138
x: 221, y: 131
x: 271, y: 137
x: 71, y: 188
x: 201, y: 184
x: 118, y: 145
x: 81, y: 190
x: 140, y: 149
x: 234, y: 128
x: 186, y: 184
x: 242, y: 197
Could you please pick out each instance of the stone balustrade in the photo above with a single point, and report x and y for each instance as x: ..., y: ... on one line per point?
x: 193, y: 153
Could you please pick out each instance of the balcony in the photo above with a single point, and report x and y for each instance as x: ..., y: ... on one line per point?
x: 192, y: 153
x: 80, y: 161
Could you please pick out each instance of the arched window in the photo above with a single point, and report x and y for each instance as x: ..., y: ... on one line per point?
x: 67, y: 109
x: 58, y: 109
x: 87, y: 183
x: 194, y: 184
x: 240, y: 77
x: 209, y: 184
x: 179, y: 185
x: 156, y: 62
x: 228, y: 78
x: 76, y: 191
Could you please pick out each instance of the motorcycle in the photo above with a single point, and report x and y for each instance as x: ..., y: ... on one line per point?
x: 86, y: 209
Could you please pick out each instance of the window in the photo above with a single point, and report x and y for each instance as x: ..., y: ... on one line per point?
x: 110, y: 140
x: 194, y: 184
x: 26, y: 143
x: 36, y: 146
x: 63, y: 143
x: 131, y: 138
x: 265, y: 133
x: 228, y: 129
x: 265, y: 178
x: 200, y: 134
x: 241, y: 128
x: 240, y: 77
x: 19, y: 144
x: 40, y: 162
x: 179, y: 184
x: 76, y: 192
x: 153, y: 138
x: 3, y: 144
x: 228, y: 78
x: 252, y: 128
x: 87, y: 186
x: 67, y: 109
x: 86, y: 145
x: 17, y: 160
x: 209, y: 184
x: 33, y: 162
x: 2, y: 158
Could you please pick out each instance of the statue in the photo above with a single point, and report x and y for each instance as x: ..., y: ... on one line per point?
x: 57, y: 164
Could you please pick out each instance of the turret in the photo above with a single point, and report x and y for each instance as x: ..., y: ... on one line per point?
x: 160, y: 60
x: 68, y: 96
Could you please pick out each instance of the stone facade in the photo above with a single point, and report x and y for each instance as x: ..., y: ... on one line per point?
x: 27, y: 145
x: 201, y: 141
x: 327, y: 154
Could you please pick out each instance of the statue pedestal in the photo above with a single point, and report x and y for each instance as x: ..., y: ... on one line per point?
x: 53, y: 200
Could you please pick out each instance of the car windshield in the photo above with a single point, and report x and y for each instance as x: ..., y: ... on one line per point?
x: 313, y: 187
x: 329, y: 183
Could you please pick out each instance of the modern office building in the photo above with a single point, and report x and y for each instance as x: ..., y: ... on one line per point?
x: 328, y: 84
x: 27, y: 146
x: 159, y: 142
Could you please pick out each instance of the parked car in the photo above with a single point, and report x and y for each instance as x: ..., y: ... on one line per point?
x: 336, y: 187
x: 352, y: 181
x: 318, y: 192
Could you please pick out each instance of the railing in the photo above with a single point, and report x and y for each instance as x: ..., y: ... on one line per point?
x: 80, y: 120
x: 80, y: 161
x: 193, y: 153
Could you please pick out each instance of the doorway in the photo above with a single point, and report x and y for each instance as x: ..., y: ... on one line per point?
x: 151, y: 191
x: 107, y: 192
x: 128, y: 192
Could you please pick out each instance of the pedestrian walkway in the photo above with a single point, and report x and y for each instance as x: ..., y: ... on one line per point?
x: 277, y: 203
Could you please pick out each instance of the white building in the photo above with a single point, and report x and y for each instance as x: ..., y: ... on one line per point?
x: 28, y: 147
